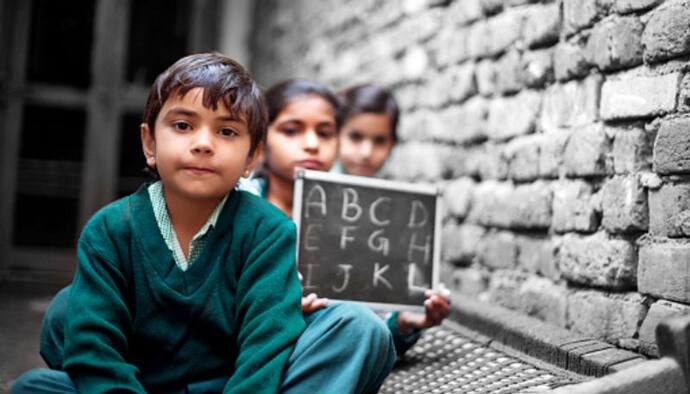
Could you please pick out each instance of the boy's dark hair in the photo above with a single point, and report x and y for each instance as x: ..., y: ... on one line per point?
x: 222, y: 79
x: 369, y: 98
x: 281, y: 94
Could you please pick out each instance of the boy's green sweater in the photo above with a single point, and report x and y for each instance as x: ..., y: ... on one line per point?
x: 137, y: 323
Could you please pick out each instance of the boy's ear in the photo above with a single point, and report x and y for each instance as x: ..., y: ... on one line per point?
x: 253, y: 160
x: 148, y: 145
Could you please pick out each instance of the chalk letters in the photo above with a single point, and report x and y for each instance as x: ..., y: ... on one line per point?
x: 350, y: 203
x: 316, y: 199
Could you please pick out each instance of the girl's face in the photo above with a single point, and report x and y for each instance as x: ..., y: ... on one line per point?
x: 304, y: 134
x: 366, y: 141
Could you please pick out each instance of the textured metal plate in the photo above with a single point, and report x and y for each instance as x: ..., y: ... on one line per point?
x: 446, y: 361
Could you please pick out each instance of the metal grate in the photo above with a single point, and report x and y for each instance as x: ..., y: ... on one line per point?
x: 446, y: 361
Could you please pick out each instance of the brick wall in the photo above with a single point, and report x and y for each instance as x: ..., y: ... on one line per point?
x: 560, y: 131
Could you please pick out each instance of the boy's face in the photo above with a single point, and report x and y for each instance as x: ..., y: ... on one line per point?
x: 366, y: 141
x: 199, y: 153
x: 304, y: 134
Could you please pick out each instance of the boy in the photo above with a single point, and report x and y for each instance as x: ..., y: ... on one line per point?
x: 188, y: 285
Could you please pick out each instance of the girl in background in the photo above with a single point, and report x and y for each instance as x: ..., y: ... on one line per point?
x: 305, y: 123
x: 367, y: 137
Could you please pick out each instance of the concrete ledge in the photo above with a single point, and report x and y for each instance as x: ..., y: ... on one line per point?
x: 554, y: 345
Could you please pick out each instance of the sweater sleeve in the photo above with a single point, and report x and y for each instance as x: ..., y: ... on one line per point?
x: 269, y: 312
x: 98, y: 320
x: 402, y: 343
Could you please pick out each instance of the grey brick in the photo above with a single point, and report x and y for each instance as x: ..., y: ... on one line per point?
x: 462, y: 82
x: 570, y: 61
x: 492, y: 204
x: 571, y: 104
x: 668, y: 207
x: 626, y: 6
x: 663, y: 269
x: 509, y: 75
x: 551, y: 151
x: 538, y: 255
x: 513, y: 116
x: 672, y: 147
x: 522, y: 155
x: 457, y: 196
x: 461, y: 242
x: 542, y: 24
x: 578, y: 14
x: 632, y: 150
x: 572, y: 207
x: 666, y: 34
x: 537, y: 68
x: 586, y: 151
x: 469, y: 281
x: 659, y: 311
x: 415, y: 161
x: 464, y: 12
x: 531, y: 206
x: 615, y: 43
x: 498, y: 250
x: 610, y: 317
x: 504, y: 288
x: 485, y: 74
x: 625, y: 205
x: 478, y: 40
x: 490, y: 7
x: 545, y: 300
x: 597, y: 260
x: 639, y: 96
x: 503, y: 30
x: 492, y: 164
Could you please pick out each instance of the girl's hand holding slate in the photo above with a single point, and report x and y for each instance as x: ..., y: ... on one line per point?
x: 436, y: 308
x: 313, y: 303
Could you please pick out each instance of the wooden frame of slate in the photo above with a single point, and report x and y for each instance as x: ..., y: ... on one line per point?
x: 366, y: 239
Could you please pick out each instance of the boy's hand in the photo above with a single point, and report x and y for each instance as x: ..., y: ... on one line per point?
x: 436, y: 308
x: 313, y: 303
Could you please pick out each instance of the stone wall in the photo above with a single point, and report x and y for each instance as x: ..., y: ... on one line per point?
x: 559, y: 129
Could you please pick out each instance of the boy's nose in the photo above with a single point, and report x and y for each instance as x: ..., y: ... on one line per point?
x: 202, y: 143
x: 367, y: 149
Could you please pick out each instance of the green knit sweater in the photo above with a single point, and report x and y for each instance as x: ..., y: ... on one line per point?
x: 137, y: 323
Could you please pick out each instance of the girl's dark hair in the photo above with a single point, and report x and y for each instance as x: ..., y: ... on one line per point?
x: 280, y: 95
x: 369, y: 98
x: 222, y: 79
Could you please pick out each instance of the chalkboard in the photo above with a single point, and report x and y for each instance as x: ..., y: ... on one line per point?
x: 367, y: 239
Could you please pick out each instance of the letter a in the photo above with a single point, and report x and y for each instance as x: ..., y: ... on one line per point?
x: 417, y: 206
x: 346, y: 279
x: 316, y: 199
x: 378, y: 276
x: 350, y: 198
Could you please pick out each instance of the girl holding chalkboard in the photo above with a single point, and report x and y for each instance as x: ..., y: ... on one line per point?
x: 304, y: 123
x: 369, y: 132
x: 346, y: 348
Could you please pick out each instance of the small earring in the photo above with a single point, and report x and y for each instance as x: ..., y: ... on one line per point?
x: 246, y: 173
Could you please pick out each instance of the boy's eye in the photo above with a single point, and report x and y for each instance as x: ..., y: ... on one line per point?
x: 182, y: 126
x: 228, y: 132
